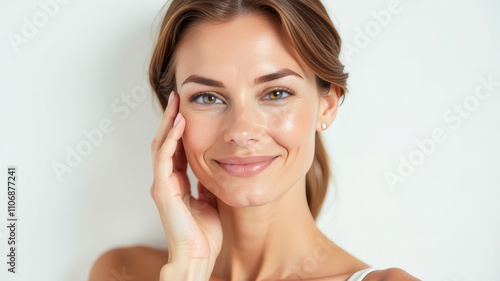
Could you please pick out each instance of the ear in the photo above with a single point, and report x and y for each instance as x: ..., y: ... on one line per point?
x: 328, y: 107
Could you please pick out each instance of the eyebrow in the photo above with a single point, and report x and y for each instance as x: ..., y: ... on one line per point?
x: 263, y: 79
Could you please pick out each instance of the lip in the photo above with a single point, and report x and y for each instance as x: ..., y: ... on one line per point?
x: 245, y: 166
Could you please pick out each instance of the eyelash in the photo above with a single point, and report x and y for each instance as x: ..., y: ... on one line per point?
x: 202, y: 94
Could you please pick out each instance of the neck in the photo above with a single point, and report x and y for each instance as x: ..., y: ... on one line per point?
x: 260, y: 241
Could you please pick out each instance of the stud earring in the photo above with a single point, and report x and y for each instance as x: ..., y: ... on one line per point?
x: 323, y: 126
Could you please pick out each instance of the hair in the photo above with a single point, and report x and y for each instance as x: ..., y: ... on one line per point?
x: 305, y: 25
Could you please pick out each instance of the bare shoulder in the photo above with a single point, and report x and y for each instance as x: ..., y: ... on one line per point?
x: 129, y: 263
x: 390, y: 274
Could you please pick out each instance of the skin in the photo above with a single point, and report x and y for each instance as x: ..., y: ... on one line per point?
x: 240, y: 228
x: 260, y: 215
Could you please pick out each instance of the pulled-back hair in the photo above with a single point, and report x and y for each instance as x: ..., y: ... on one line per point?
x: 305, y: 26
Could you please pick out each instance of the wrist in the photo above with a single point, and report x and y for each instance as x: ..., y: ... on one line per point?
x: 191, y: 270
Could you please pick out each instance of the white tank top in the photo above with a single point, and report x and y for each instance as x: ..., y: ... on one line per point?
x: 358, y: 276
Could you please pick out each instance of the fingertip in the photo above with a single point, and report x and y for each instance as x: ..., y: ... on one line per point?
x: 177, y: 118
x: 170, y: 97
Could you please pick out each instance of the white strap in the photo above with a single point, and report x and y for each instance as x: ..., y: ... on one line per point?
x: 358, y: 276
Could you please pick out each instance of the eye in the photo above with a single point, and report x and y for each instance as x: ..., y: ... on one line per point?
x: 206, y: 98
x: 278, y: 94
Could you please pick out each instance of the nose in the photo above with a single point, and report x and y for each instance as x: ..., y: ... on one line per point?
x: 244, y: 125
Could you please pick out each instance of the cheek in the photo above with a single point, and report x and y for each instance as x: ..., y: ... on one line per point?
x: 198, y: 135
x: 292, y: 127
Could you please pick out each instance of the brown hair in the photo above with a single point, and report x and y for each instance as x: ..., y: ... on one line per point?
x: 305, y: 25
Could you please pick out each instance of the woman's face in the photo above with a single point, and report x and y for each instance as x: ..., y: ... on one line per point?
x: 242, y: 94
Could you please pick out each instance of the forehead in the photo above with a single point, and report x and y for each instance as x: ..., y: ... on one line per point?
x: 248, y: 45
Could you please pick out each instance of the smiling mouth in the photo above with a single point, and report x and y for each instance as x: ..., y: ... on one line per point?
x: 245, y: 167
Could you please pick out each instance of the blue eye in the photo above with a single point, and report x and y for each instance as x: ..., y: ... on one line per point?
x: 206, y: 99
x: 277, y: 94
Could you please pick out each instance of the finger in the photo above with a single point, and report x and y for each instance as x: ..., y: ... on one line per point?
x: 180, y: 166
x: 166, y: 122
x: 176, y: 219
x: 180, y: 161
x: 165, y: 126
x: 165, y: 154
x: 167, y: 184
x: 180, y: 169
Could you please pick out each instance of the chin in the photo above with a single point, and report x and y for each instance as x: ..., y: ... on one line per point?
x: 241, y: 195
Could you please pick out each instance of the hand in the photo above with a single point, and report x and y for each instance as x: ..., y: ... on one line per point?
x: 192, y: 226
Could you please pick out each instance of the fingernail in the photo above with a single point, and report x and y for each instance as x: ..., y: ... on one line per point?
x: 177, y: 118
x: 170, y: 97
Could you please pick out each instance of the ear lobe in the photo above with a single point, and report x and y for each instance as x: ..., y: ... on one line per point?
x: 328, y: 107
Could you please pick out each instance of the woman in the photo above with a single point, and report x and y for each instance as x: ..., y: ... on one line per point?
x: 247, y: 86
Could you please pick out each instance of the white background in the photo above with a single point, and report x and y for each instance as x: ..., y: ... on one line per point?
x: 442, y: 223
